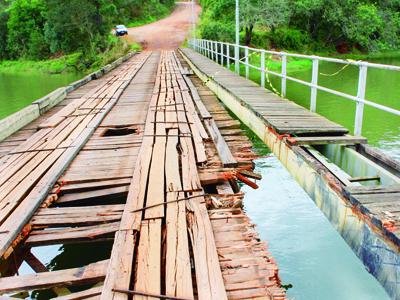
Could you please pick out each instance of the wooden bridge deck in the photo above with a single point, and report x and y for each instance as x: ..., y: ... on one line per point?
x: 144, y: 160
x: 285, y: 117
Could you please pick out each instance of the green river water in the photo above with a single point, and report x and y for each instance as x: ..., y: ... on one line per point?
x: 19, y: 89
x: 311, y: 255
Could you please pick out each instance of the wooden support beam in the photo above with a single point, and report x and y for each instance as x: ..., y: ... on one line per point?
x: 91, y: 273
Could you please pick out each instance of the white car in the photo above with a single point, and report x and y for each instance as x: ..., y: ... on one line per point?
x: 121, y: 30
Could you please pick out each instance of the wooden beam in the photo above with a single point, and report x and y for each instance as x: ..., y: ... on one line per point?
x: 91, y: 273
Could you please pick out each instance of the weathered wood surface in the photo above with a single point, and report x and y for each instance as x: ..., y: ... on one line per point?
x: 84, y: 275
x: 27, y: 186
x: 284, y: 116
x: 380, y: 204
x: 138, y: 183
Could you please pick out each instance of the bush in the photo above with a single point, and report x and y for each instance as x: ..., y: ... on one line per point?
x: 260, y: 39
x: 37, y: 46
x: 217, y: 31
x: 289, y: 39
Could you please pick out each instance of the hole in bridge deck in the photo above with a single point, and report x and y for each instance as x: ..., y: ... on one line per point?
x: 119, y: 131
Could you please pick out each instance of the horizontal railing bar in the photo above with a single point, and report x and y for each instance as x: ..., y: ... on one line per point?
x: 321, y: 88
x: 321, y: 58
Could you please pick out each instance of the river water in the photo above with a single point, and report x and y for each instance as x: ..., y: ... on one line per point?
x: 311, y: 255
x: 19, y: 89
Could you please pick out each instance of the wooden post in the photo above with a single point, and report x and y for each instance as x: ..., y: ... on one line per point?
x: 362, y: 83
x: 314, y: 81
x: 283, y: 72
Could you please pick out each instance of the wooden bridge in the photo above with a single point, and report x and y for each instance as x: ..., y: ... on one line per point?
x: 144, y: 159
x: 140, y: 168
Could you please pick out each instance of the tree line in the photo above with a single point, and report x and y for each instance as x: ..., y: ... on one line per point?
x: 341, y: 25
x: 39, y: 29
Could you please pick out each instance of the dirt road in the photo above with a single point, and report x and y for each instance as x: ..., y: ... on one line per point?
x: 168, y: 33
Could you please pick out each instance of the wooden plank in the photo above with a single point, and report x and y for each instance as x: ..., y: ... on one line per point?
x: 91, y: 273
x: 210, y: 284
x: 148, y: 275
x: 70, y: 235
x: 121, y: 261
x: 38, y: 267
x: 96, y: 291
x: 75, y: 216
x: 89, y: 195
x: 178, y: 277
x: 360, y: 190
x: 224, y: 152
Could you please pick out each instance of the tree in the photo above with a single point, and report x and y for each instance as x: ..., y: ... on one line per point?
x: 3, y: 34
x: 79, y: 25
x: 25, y: 26
x: 250, y: 14
x: 275, y: 13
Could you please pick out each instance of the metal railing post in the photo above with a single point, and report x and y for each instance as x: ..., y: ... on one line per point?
x: 221, y: 49
x: 246, y: 54
x: 262, y: 69
x: 228, y: 63
x: 283, y: 72
x: 212, y: 50
x: 362, y: 83
x: 314, y: 81
x: 215, y: 51
x: 237, y: 69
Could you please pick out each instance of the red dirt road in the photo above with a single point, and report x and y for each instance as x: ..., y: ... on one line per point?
x: 168, y: 33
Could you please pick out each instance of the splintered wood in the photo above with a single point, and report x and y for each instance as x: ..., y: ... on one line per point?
x: 140, y: 178
x: 173, y: 145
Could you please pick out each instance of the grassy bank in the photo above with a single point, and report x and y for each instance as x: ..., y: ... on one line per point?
x: 72, y: 62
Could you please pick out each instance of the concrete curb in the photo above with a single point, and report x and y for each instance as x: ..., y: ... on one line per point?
x: 23, y: 117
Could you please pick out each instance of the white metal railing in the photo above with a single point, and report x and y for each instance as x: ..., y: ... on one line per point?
x: 221, y: 53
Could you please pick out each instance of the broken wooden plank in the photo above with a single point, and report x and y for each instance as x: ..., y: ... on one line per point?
x: 91, y: 273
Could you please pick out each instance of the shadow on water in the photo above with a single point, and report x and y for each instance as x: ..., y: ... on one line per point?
x: 311, y: 255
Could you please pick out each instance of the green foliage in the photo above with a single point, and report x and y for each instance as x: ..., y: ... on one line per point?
x: 25, y: 26
x: 290, y: 39
x: 308, y: 25
x: 3, y: 34
x: 218, y: 31
x: 78, y: 25
x: 43, y: 29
